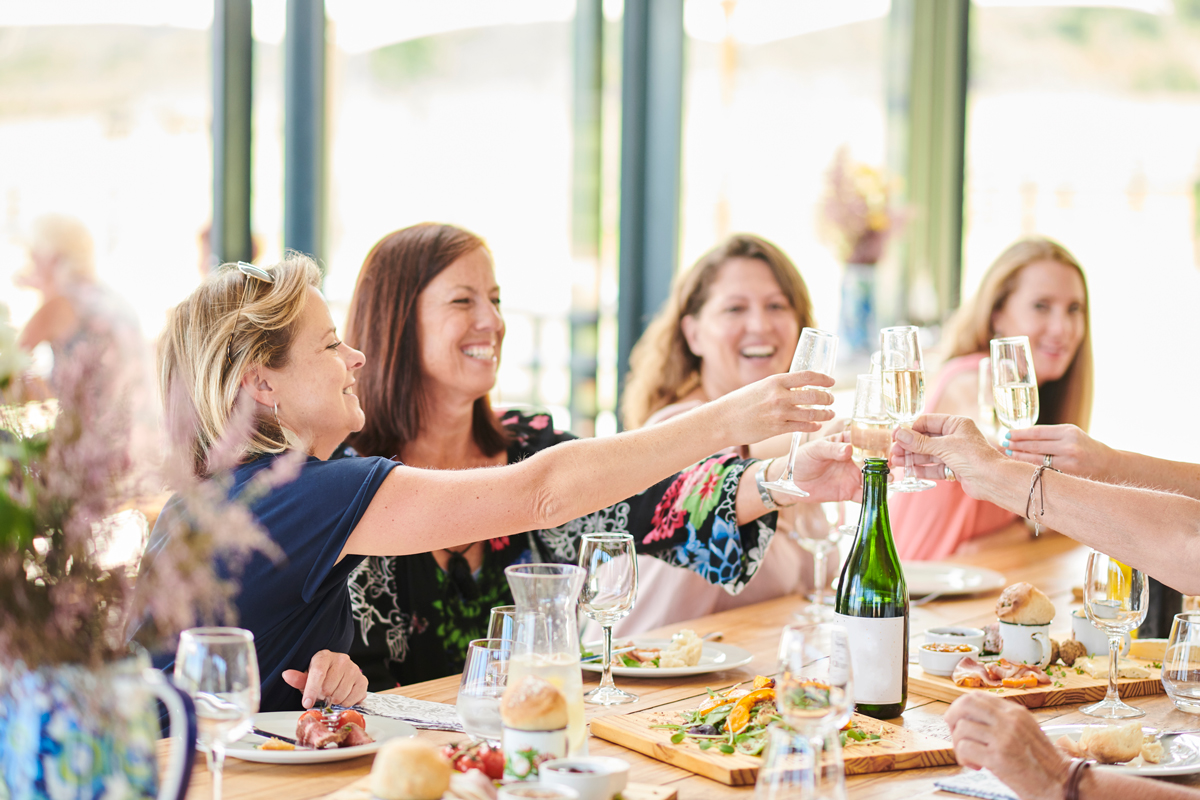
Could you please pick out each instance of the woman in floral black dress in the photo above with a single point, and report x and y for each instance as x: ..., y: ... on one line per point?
x: 427, y: 305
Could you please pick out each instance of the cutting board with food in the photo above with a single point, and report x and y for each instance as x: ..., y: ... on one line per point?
x: 1032, y: 669
x: 869, y: 745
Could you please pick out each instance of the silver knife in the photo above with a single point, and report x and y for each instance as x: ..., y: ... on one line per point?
x: 269, y: 735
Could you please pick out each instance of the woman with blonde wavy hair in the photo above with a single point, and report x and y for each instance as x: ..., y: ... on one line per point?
x: 264, y: 336
x: 732, y: 319
x: 1035, y: 288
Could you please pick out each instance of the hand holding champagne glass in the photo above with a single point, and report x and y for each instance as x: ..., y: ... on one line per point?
x: 218, y: 668
x: 903, y: 374
x: 815, y: 352
x: 870, y: 427
x: 1014, y: 384
x: 1115, y: 599
x: 609, y: 590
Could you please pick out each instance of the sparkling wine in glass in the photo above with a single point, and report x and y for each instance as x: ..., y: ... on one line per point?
x: 1014, y: 384
x: 219, y: 669
x: 870, y: 427
x: 815, y: 352
x: 903, y: 374
x: 608, y: 594
x: 1115, y: 599
x: 485, y: 675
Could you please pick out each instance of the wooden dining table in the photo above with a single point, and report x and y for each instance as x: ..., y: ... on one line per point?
x: 1051, y: 562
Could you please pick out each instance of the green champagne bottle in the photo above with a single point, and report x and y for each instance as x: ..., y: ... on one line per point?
x: 872, y: 605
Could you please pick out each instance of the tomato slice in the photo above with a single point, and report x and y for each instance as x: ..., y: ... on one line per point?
x: 350, y: 715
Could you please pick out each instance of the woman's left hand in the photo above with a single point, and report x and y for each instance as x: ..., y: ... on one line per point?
x: 1071, y: 450
x: 824, y: 469
x: 331, y: 677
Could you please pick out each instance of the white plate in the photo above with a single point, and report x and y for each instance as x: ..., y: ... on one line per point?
x: 284, y: 723
x: 713, y: 658
x: 1181, y: 756
x: 936, y: 577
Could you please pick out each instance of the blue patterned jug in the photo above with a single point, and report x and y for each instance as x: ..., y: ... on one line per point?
x: 70, y: 732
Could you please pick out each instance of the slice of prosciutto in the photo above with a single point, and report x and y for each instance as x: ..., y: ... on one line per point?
x: 971, y: 673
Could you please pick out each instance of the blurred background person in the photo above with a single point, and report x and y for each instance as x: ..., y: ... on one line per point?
x: 427, y: 309
x: 731, y: 319
x: 1035, y: 288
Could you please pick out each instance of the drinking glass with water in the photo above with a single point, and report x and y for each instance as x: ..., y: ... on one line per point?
x: 484, y: 678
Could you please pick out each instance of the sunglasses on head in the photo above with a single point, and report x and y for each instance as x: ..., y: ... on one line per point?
x: 250, y: 271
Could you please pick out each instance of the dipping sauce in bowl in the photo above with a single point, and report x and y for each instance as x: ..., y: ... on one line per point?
x: 955, y: 634
x: 938, y: 647
x: 939, y: 658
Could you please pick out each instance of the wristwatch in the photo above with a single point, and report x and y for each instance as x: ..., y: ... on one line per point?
x: 763, y: 492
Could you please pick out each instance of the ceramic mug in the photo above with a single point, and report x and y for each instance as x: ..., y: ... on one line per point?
x: 1091, y: 637
x: 1025, y: 644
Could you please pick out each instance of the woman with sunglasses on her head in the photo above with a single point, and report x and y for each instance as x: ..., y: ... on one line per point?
x: 273, y: 341
x: 428, y: 306
x: 1035, y: 288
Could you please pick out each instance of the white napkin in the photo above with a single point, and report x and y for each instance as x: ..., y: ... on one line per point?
x: 418, y: 713
x: 981, y: 783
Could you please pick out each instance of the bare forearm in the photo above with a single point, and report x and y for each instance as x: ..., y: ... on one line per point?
x: 1157, y: 532
x: 1104, y: 785
x: 1156, y: 473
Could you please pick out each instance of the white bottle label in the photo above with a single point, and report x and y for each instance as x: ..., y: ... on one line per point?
x: 876, y: 657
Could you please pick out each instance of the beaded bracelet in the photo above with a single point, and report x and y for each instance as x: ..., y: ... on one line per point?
x: 1074, y: 776
x: 1033, y: 484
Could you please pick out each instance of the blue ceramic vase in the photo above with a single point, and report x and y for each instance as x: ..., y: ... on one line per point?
x: 856, y: 323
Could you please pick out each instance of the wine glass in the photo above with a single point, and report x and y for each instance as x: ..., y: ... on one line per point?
x: 1181, y: 663
x: 1115, y: 599
x: 988, y: 424
x: 483, y: 680
x: 814, y: 686
x: 903, y: 375
x: 219, y: 669
x: 609, y: 590
x: 502, y: 622
x: 818, y: 534
x: 816, y: 352
x: 796, y: 766
x: 870, y: 427
x: 1014, y: 384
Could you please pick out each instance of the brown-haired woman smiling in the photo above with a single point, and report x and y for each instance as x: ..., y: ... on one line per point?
x: 267, y: 335
x: 427, y: 302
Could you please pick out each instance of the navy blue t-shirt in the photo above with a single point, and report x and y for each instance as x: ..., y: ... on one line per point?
x: 301, y: 605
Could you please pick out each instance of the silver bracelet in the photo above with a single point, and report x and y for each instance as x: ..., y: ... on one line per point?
x: 763, y: 492
x: 1034, y: 484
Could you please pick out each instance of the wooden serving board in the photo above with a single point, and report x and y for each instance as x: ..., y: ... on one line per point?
x: 1066, y: 689
x: 899, y: 748
x: 634, y: 791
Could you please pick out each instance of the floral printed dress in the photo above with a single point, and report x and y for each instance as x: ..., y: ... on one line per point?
x: 413, y: 621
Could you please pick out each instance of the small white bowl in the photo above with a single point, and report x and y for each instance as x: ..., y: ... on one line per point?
x: 938, y: 663
x: 956, y: 635
x: 593, y: 777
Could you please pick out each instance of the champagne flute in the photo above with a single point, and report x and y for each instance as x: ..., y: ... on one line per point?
x: 218, y: 668
x: 485, y: 675
x: 1115, y: 599
x: 870, y: 427
x: 903, y: 375
x: 609, y: 590
x: 816, y: 352
x: 1014, y: 384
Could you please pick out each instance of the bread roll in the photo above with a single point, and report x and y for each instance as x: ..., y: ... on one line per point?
x: 409, y: 769
x: 1113, y: 744
x: 533, y: 704
x: 1024, y: 604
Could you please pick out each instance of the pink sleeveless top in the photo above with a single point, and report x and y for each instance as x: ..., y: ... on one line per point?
x: 932, y: 524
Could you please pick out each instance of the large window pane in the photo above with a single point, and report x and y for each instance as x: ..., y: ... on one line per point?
x: 1084, y: 125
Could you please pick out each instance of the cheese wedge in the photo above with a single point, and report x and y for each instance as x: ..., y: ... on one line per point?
x: 1149, y: 649
x: 1097, y: 667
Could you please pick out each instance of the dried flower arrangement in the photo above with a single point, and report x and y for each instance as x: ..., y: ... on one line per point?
x: 62, y: 598
x: 856, y: 214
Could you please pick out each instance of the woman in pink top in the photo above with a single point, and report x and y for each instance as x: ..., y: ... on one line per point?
x: 1035, y: 288
x: 733, y: 318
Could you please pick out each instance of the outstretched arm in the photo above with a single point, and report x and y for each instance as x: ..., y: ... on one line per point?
x: 1078, y: 453
x: 1157, y: 532
x: 420, y: 510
